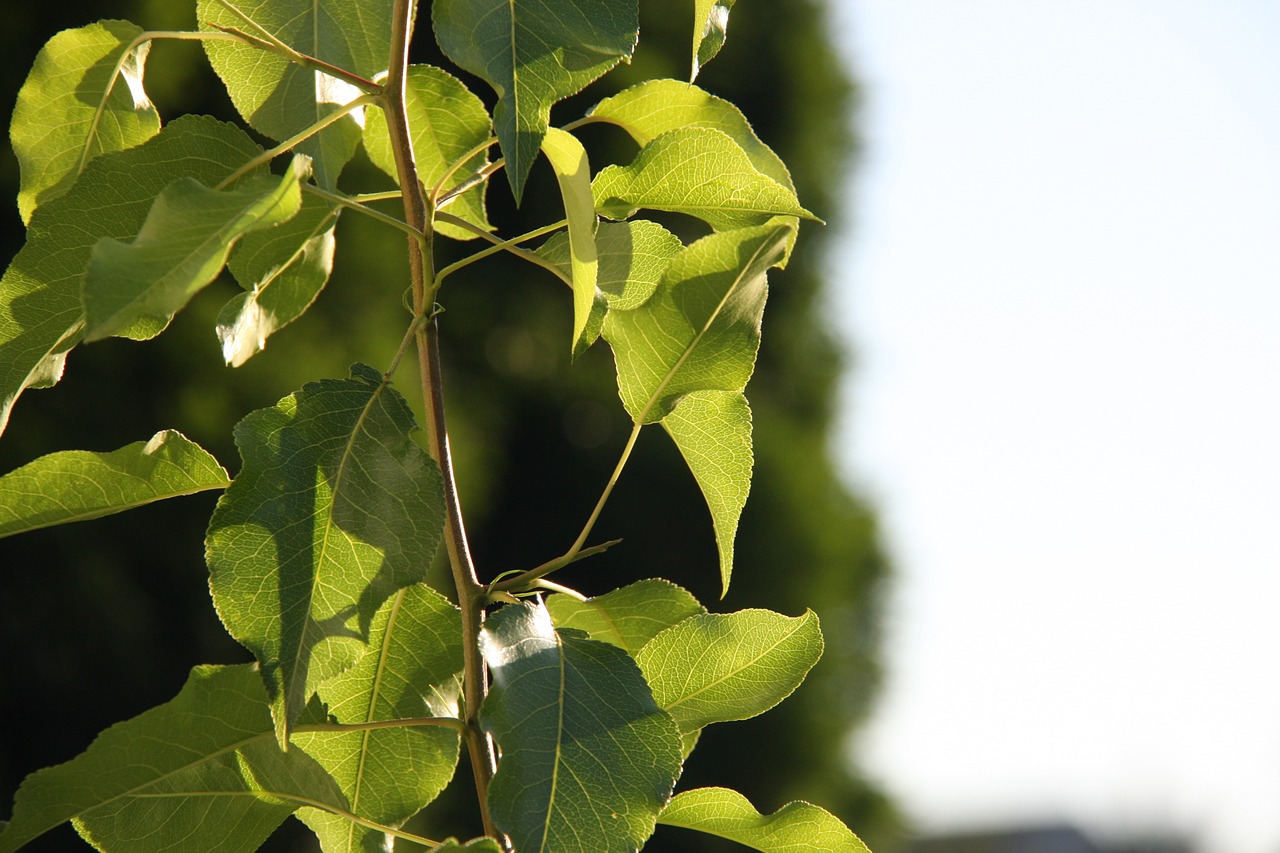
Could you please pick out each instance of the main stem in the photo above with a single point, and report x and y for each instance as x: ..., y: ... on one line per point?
x: 419, y: 216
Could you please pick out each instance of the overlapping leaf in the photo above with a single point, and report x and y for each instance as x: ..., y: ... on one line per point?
x: 710, y: 24
x: 40, y: 309
x: 72, y: 107
x: 569, y: 160
x: 795, y: 828
x: 446, y: 121
x: 588, y: 760
x: 388, y: 775
x: 202, y: 766
x: 632, y: 258
x: 280, y: 98
x: 729, y: 666
x: 627, y: 617
x: 334, y: 510
x: 182, y: 247
x: 75, y: 485
x: 533, y: 53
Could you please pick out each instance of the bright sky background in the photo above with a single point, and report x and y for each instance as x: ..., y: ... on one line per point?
x: 1063, y: 290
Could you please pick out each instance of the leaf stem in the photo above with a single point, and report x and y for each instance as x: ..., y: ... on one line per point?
x: 572, y: 553
x: 458, y: 164
x: 407, y: 722
x: 357, y: 205
x: 524, y: 581
x: 500, y: 245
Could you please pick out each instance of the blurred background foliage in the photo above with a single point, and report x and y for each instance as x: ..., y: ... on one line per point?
x: 101, y: 620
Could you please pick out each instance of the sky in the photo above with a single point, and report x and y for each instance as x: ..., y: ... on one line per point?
x: 1061, y: 286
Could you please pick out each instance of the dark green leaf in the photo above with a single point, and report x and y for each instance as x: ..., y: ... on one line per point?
x: 588, y: 760
x: 795, y: 828
x: 72, y: 108
x: 628, y: 617
x: 729, y: 666
x: 533, y: 53
x: 569, y: 161
x: 710, y: 21
x: 334, y: 510
x: 632, y: 257
x: 75, y: 485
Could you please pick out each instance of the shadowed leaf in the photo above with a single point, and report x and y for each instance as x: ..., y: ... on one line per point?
x: 627, y: 617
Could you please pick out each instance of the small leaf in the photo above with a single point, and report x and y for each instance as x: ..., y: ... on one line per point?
x: 388, y: 775
x: 533, y: 53
x: 476, y: 845
x: 713, y: 431
x: 628, y: 617
x: 75, y: 485
x: 729, y: 666
x: 201, y: 766
x: 40, y: 310
x: 701, y: 172
x: 795, y: 828
x: 569, y: 160
x: 588, y: 760
x: 334, y: 510
x: 632, y: 257
x: 56, y: 126
x: 283, y: 270
x: 182, y: 247
x: 445, y: 121
x: 710, y: 21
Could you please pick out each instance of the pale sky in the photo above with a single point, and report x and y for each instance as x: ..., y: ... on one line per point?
x: 1063, y: 291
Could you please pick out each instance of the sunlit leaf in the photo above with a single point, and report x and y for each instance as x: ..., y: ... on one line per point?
x: 204, y: 765
x: 533, y: 53
x: 75, y: 485
x: 388, y: 775
x: 569, y: 161
x: 70, y: 109
x: 795, y: 828
x: 710, y: 23
x: 588, y: 760
x: 334, y: 510
x: 40, y: 310
x: 446, y: 121
x: 632, y: 257
x: 729, y: 666
x: 182, y: 247
x: 627, y: 617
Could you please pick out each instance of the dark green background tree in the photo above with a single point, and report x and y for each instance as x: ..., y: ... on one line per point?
x: 102, y: 620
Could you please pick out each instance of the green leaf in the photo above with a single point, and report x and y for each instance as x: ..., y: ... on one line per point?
x: 588, y: 760
x: 713, y: 431
x: 446, y: 121
x: 72, y: 108
x: 698, y: 171
x: 627, y: 617
x: 795, y: 828
x: 201, y: 766
x: 283, y: 270
x: 280, y: 98
x: 569, y: 160
x: 76, y: 485
x: 729, y: 666
x: 710, y: 21
x: 182, y: 247
x: 477, y: 845
x: 388, y: 775
x: 334, y: 510
x: 533, y: 53
x: 632, y: 258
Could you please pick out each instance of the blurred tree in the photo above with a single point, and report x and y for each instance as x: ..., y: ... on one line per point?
x: 99, y: 626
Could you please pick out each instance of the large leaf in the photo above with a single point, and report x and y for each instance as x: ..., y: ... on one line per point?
x: 40, y: 309
x: 710, y: 21
x: 632, y: 257
x: 588, y: 759
x: 569, y: 161
x: 699, y: 171
x: 182, y: 247
x: 203, y: 766
x: 279, y: 98
x: 795, y: 828
x: 282, y: 270
x: 533, y: 53
x: 73, y: 108
x: 388, y: 775
x: 729, y: 666
x: 627, y: 617
x: 446, y: 120
x: 334, y: 510
x: 75, y: 485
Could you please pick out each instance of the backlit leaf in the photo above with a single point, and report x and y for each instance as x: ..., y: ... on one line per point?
x: 632, y: 257
x: 729, y: 666
x: 182, y: 247
x: 588, y: 760
x: 533, y: 53
x: 710, y: 23
x: 795, y: 828
x: 72, y: 107
x: 627, y: 617
x: 569, y: 160
x: 334, y: 510
x: 75, y: 485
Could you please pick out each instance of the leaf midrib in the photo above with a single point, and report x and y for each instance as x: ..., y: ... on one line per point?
x: 709, y: 685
